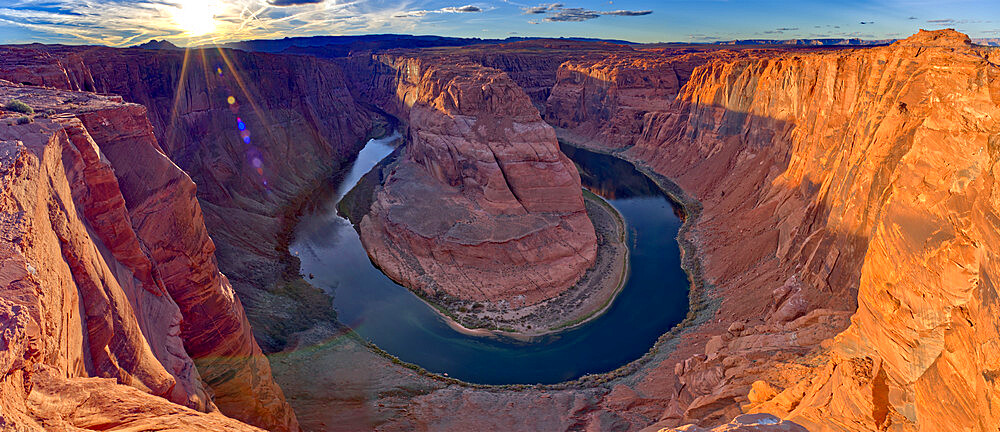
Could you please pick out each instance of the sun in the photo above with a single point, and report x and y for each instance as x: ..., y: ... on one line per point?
x: 195, y: 17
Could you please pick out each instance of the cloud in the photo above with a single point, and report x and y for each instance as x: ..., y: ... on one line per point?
x: 572, y: 15
x: 460, y: 9
x: 292, y: 2
x: 628, y: 13
x: 557, y: 12
x: 450, y: 9
x: 955, y: 21
x: 781, y: 30
x: 540, y: 9
x: 130, y: 22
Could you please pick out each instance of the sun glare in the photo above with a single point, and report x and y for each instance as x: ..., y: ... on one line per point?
x: 195, y: 17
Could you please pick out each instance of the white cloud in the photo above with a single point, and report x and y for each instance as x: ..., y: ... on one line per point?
x: 124, y: 22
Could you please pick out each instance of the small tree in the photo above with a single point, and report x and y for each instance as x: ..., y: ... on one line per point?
x: 23, y: 120
x: 18, y: 106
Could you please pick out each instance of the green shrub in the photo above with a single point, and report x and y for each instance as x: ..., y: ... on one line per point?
x: 23, y: 120
x: 18, y: 106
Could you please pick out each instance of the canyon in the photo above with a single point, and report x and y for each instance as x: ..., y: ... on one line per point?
x: 481, y: 205
x: 840, y: 202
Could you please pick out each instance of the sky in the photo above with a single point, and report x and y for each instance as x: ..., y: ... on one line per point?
x: 193, y: 22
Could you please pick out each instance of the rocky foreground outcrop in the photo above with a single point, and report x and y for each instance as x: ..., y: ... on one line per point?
x: 108, y: 271
x: 482, y: 205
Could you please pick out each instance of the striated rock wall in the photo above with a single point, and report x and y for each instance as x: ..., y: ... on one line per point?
x: 297, y: 111
x: 602, y: 100
x: 533, y: 65
x: 137, y: 291
x: 482, y: 205
x: 300, y: 125
x: 869, y: 175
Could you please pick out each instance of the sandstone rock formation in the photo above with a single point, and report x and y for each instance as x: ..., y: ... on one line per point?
x: 300, y: 125
x: 108, y: 269
x: 868, y: 196
x: 917, y: 354
x: 533, y: 64
x: 846, y: 232
x: 604, y: 99
x: 831, y: 181
x: 58, y: 403
x: 482, y: 205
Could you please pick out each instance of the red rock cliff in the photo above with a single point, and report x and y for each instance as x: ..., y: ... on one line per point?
x: 300, y: 125
x: 114, y: 305
x: 483, y: 206
x: 868, y: 175
x: 602, y: 100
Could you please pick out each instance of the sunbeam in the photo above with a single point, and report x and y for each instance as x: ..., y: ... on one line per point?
x: 196, y: 17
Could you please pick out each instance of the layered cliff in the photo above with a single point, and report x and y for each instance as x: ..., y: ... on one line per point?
x: 874, y: 168
x: 290, y: 125
x: 482, y: 205
x: 109, y: 272
x: 533, y: 64
x: 601, y: 100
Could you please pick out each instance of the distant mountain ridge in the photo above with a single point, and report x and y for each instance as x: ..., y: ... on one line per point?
x: 809, y: 42
x: 158, y: 45
x: 341, y: 46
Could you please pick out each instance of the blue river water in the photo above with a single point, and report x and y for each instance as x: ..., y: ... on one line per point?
x: 654, y: 299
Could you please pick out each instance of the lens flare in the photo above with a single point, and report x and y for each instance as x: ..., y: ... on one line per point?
x: 195, y: 17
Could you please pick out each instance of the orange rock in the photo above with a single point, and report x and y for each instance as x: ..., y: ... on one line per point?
x: 90, y: 187
x: 482, y: 206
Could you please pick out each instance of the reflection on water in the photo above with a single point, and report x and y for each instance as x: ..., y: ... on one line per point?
x: 653, y: 300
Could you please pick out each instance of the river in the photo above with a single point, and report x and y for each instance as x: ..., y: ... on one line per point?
x: 654, y: 299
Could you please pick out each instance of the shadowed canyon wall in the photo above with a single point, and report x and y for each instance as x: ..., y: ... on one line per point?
x: 300, y: 124
x: 106, y: 266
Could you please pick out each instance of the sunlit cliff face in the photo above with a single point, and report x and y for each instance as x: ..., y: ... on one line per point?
x: 196, y: 17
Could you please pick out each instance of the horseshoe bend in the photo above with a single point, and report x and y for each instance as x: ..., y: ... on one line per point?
x: 393, y: 233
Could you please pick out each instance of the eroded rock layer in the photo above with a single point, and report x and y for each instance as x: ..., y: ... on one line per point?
x: 874, y: 167
x: 292, y: 123
x: 603, y: 99
x: 482, y: 204
x: 108, y: 270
